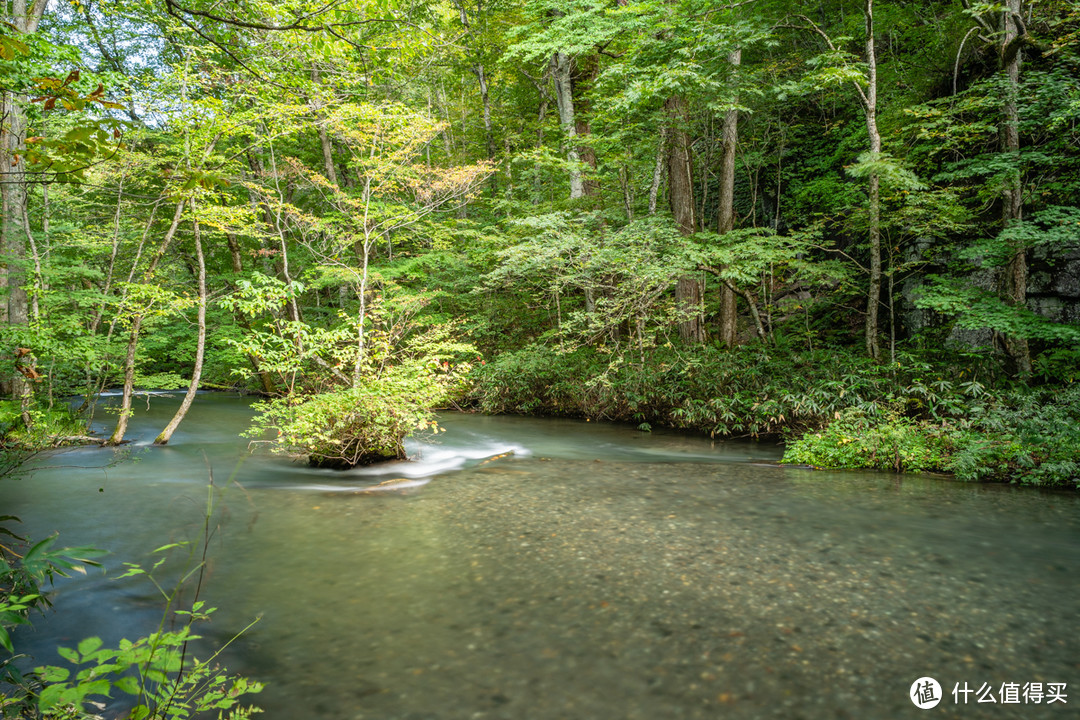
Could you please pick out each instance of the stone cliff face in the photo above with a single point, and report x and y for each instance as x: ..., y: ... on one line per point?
x: 1054, y: 283
x: 1053, y: 292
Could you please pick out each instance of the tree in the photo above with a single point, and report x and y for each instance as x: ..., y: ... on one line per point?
x: 725, y: 212
x: 23, y: 19
x: 827, y: 75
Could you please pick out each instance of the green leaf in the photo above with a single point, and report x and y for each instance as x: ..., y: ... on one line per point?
x: 53, y: 674
x: 127, y: 684
x: 51, y: 696
x: 89, y: 645
x: 96, y: 687
x: 170, y: 546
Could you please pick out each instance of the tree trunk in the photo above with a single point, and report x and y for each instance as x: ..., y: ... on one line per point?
x: 291, y: 307
x: 1015, y: 274
x: 324, y: 137
x: 564, y: 99
x: 658, y: 171
x: 541, y: 116
x: 725, y: 219
x: 200, y: 345
x: 23, y: 19
x: 873, y: 300
x: 12, y: 236
x: 586, y: 71
x: 489, y: 135
x: 242, y: 320
x: 681, y: 199
x: 624, y: 185
x: 133, y: 337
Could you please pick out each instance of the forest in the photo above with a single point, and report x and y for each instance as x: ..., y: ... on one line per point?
x: 851, y: 226
x: 848, y: 229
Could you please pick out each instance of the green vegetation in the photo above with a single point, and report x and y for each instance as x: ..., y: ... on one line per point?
x: 854, y: 228
x: 1027, y: 438
x: 159, y: 673
x: 839, y: 409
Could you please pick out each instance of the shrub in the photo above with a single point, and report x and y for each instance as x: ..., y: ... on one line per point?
x: 361, y: 425
x: 753, y: 390
x: 838, y: 408
x: 1029, y: 438
x: 889, y: 442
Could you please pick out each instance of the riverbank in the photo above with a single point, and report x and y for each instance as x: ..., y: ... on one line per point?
x: 834, y: 409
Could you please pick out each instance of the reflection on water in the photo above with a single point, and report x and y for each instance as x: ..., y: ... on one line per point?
x: 563, y: 569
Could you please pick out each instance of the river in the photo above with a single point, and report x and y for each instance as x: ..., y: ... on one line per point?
x: 543, y: 569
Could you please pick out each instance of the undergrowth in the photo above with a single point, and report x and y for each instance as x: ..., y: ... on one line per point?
x: 836, y: 408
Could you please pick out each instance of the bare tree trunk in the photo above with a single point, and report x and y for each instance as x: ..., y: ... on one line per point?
x: 564, y: 99
x: 23, y: 19
x: 367, y: 242
x: 624, y: 185
x: 95, y: 386
x: 242, y: 320
x: 658, y: 171
x: 328, y: 155
x: 873, y: 299
x: 725, y: 219
x: 587, y: 70
x: 291, y: 306
x: 133, y: 336
x: 1015, y: 276
x: 681, y: 198
x: 755, y: 314
x: 541, y: 116
x: 489, y: 135
x: 12, y: 234
x: 200, y: 344
x: 37, y: 283
x: 324, y: 137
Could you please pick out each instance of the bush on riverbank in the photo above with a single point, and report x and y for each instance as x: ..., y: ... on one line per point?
x: 837, y: 408
x: 1029, y: 438
x: 749, y: 391
x: 48, y: 428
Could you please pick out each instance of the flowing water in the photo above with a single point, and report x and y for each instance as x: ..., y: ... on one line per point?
x: 527, y: 568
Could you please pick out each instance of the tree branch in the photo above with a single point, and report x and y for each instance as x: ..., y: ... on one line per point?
x: 978, y: 18
x: 816, y: 28
x: 959, y: 52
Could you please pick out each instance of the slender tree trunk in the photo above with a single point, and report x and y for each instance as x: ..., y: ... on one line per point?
x: 200, y: 345
x: 1015, y: 274
x: 564, y: 99
x: 95, y: 386
x: 37, y: 285
x: 586, y: 71
x: 291, y: 306
x: 324, y: 137
x: 541, y: 116
x: 658, y: 171
x: 367, y: 242
x: 681, y: 198
x: 242, y: 320
x: 624, y: 185
x: 489, y: 135
x: 725, y: 219
x: 873, y: 300
x: 133, y: 336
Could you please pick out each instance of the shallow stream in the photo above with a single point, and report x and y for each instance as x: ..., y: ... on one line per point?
x: 542, y: 569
